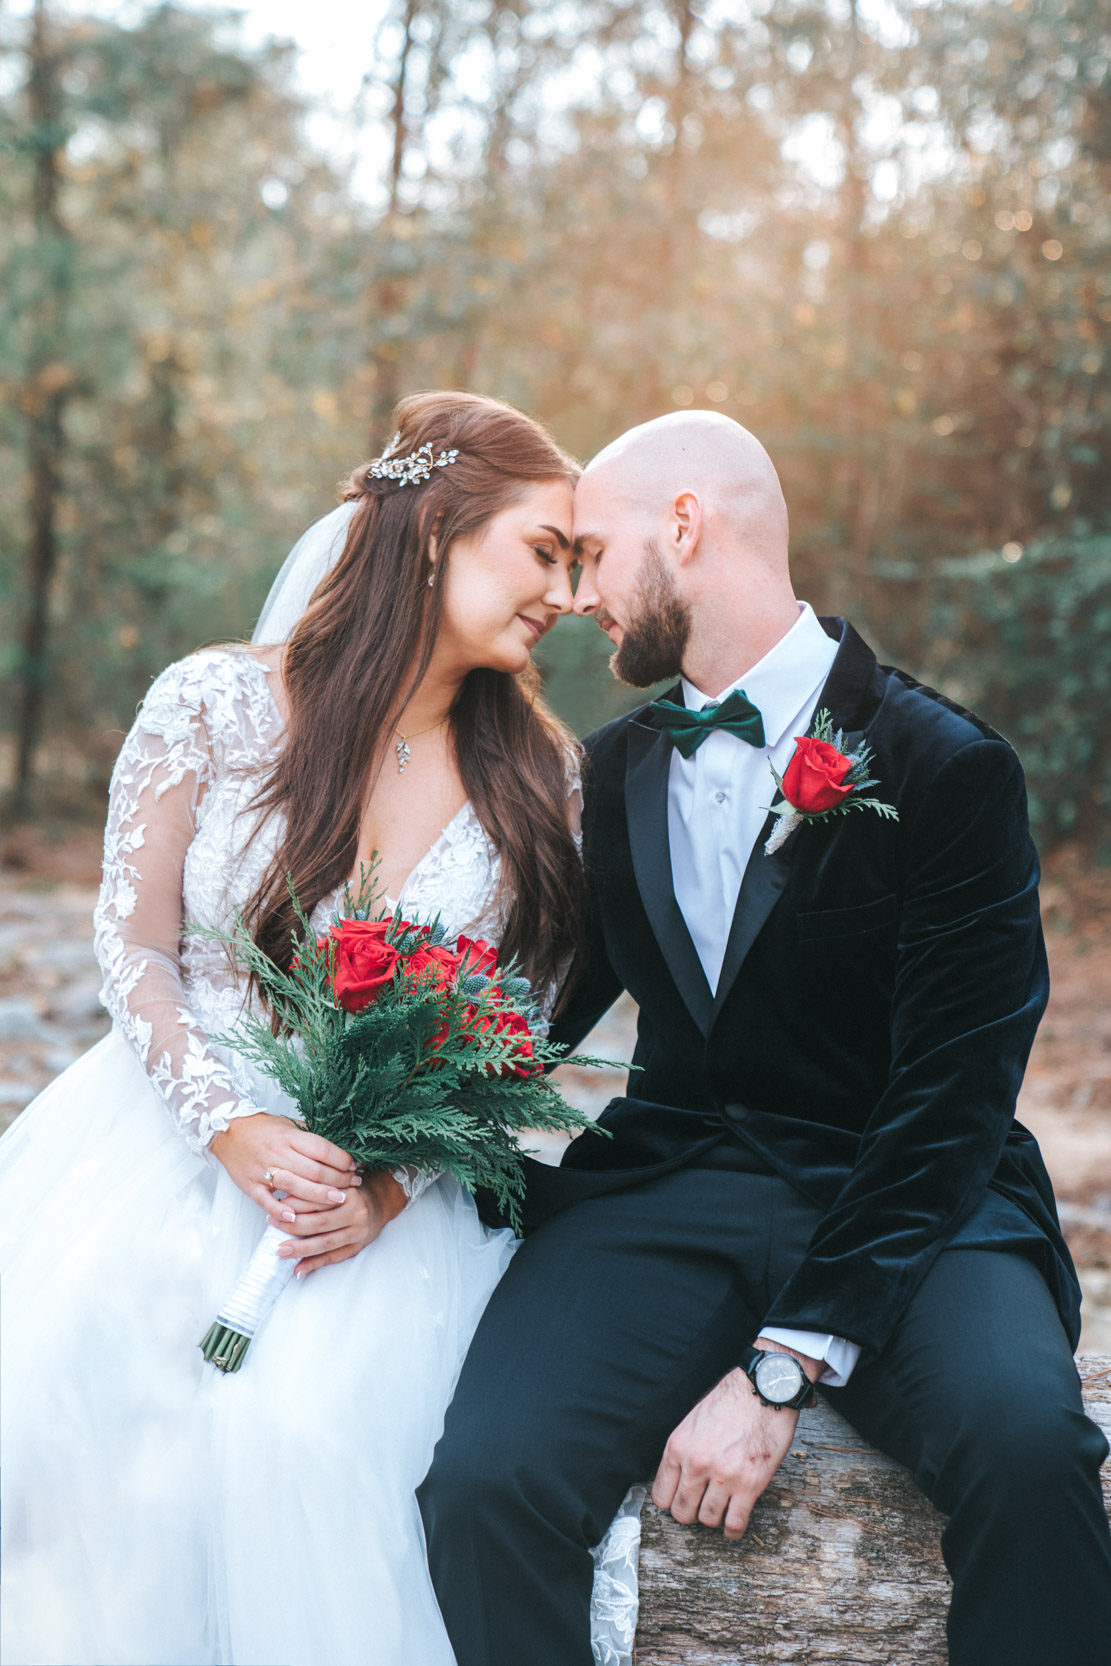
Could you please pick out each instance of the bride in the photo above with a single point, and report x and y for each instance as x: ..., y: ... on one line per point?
x: 155, y: 1511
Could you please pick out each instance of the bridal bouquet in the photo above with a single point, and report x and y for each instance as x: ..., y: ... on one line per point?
x: 405, y: 1050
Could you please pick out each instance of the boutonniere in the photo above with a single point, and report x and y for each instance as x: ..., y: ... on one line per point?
x: 823, y: 780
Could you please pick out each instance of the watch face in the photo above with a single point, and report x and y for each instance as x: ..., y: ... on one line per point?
x: 779, y: 1377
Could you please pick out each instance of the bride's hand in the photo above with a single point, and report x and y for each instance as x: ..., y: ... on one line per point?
x: 337, y: 1233
x: 311, y: 1170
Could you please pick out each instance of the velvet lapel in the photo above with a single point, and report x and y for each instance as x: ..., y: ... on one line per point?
x: 844, y: 695
x: 851, y: 694
x: 646, y: 774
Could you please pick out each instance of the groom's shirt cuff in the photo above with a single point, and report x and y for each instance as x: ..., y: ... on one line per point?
x: 840, y: 1357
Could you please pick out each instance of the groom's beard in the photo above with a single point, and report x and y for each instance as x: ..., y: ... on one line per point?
x: 656, y: 634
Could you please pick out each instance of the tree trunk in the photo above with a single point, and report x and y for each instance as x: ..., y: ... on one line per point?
x: 841, y: 1562
x: 387, y: 297
x: 44, y: 396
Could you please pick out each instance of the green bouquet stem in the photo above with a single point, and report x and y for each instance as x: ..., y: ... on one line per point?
x: 224, y: 1348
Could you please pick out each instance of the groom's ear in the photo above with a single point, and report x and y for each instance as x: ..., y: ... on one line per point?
x: 686, y: 526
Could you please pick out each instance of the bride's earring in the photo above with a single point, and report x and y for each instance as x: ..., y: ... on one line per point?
x: 432, y: 578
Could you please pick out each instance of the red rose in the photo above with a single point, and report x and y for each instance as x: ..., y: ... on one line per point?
x: 520, y: 1061
x: 433, y: 1045
x: 813, y: 780
x: 362, y: 962
x: 524, y: 1064
x: 437, y: 966
x: 478, y: 955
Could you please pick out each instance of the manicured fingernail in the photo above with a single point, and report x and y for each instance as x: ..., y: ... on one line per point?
x: 358, y: 1180
x: 300, y: 1273
x: 288, y: 1215
x: 337, y: 1197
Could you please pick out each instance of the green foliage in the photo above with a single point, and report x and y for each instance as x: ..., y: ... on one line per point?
x: 185, y: 468
x: 1027, y: 643
x: 420, y: 1076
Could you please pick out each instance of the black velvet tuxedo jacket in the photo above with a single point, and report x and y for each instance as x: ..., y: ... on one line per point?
x: 881, y: 988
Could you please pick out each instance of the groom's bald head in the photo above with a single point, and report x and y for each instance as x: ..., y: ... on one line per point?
x: 681, y: 528
x: 703, y: 452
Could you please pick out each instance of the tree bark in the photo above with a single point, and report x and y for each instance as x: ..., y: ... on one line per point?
x: 841, y: 1562
x: 387, y: 294
x: 44, y: 394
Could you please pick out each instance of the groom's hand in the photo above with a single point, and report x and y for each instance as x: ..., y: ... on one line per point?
x: 724, y: 1452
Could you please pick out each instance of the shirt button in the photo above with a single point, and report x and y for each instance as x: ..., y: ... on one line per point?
x: 719, y: 798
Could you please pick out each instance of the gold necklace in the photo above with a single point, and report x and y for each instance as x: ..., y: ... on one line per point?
x: 401, y: 747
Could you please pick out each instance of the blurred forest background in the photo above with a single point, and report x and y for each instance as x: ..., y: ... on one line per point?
x: 877, y: 233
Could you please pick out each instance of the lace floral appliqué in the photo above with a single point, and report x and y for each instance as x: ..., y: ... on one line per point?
x: 179, y: 777
x: 615, y: 1603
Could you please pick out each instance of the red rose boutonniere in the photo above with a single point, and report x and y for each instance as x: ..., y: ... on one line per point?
x: 821, y: 781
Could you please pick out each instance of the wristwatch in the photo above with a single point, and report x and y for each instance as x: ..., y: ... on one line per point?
x: 777, y: 1379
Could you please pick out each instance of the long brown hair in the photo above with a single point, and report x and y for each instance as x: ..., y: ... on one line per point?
x: 349, y: 670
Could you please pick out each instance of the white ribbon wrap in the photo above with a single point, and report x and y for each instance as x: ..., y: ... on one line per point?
x: 260, y: 1286
x: 781, y: 832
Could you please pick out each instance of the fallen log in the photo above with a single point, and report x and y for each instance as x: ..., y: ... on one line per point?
x: 841, y: 1563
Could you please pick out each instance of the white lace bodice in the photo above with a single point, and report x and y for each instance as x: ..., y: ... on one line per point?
x: 182, y: 844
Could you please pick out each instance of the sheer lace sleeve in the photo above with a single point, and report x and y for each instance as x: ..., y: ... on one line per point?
x: 163, y: 771
x: 414, y: 1182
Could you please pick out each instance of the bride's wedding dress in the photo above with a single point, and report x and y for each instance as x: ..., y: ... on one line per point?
x: 155, y: 1511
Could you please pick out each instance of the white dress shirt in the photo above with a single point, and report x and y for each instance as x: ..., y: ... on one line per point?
x: 717, y: 803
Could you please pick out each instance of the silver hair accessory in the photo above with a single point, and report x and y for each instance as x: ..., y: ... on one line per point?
x: 413, y: 470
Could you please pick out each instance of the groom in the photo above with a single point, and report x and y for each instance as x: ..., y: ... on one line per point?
x: 816, y: 1176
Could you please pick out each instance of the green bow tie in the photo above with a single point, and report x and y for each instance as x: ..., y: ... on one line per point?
x: 687, y: 730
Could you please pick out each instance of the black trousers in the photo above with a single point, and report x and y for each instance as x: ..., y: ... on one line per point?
x: 621, y: 1312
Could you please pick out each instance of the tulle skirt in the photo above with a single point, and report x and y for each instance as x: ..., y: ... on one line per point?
x: 156, y: 1512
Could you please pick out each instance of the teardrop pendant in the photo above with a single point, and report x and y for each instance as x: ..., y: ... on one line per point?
x: 403, y: 755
